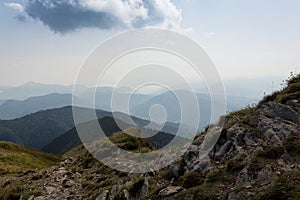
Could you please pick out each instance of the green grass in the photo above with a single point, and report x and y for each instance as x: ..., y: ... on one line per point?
x: 218, y: 176
x: 291, y: 91
x: 124, y: 141
x: 239, y: 115
x: 271, y: 153
x: 128, y: 142
x: 17, y: 159
x: 204, y: 192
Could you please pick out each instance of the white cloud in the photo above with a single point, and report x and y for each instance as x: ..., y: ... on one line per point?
x: 69, y: 15
x: 15, y: 6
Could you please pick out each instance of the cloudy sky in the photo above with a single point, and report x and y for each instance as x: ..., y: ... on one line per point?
x: 47, y: 40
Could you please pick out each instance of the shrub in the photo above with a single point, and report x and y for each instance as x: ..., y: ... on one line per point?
x: 192, y: 179
x: 204, y: 192
x: 235, y: 165
x: 136, y: 186
x: 292, y: 145
x: 271, y: 153
x: 217, y: 176
x: 167, y: 174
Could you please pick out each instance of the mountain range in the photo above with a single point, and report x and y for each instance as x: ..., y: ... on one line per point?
x: 257, y: 156
x: 139, y: 104
x: 13, y: 109
x: 39, y: 129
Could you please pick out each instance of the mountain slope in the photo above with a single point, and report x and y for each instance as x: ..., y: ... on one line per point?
x: 173, y: 110
x: 38, y: 129
x: 256, y: 157
x: 16, y: 159
x: 109, y: 125
x: 13, y: 109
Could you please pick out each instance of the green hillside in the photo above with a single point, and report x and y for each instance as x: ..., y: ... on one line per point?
x: 17, y: 159
x: 39, y: 129
x: 109, y: 125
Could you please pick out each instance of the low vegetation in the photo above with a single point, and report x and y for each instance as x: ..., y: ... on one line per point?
x: 17, y: 159
x: 285, y: 187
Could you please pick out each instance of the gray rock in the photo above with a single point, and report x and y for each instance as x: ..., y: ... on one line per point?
x: 191, y: 154
x: 50, y: 189
x: 170, y: 190
x: 292, y: 102
x: 203, y: 165
x: 176, y: 169
x: 144, y: 189
x: 233, y: 196
x: 103, y: 195
x: 126, y: 195
x: 283, y: 111
x: 224, y: 149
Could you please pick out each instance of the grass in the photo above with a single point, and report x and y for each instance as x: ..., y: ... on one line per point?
x: 236, y: 116
x: 271, y: 153
x: 17, y: 191
x: 167, y: 174
x: 262, y: 157
x: 128, y: 142
x: 235, y: 165
x: 256, y: 164
x: 17, y: 159
x: 285, y: 187
x: 218, y: 176
x: 292, y: 145
x: 192, y: 179
x: 291, y: 91
x: 204, y: 192
x: 134, y: 188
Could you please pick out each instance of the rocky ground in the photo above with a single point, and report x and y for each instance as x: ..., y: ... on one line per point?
x: 257, y: 157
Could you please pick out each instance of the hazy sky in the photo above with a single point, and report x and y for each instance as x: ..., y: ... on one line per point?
x: 46, y: 42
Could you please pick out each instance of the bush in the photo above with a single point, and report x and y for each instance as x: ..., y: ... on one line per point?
x: 136, y: 187
x: 191, y: 179
x: 217, y: 176
x: 271, y: 153
x: 167, y: 174
x: 256, y: 164
x: 235, y: 165
x: 204, y: 192
x: 292, y: 145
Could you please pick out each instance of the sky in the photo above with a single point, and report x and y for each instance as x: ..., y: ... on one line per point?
x: 47, y: 41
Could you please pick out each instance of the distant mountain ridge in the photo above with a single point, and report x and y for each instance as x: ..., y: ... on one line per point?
x: 39, y: 129
x: 109, y: 125
x: 13, y: 109
x: 31, y: 97
x: 31, y: 89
